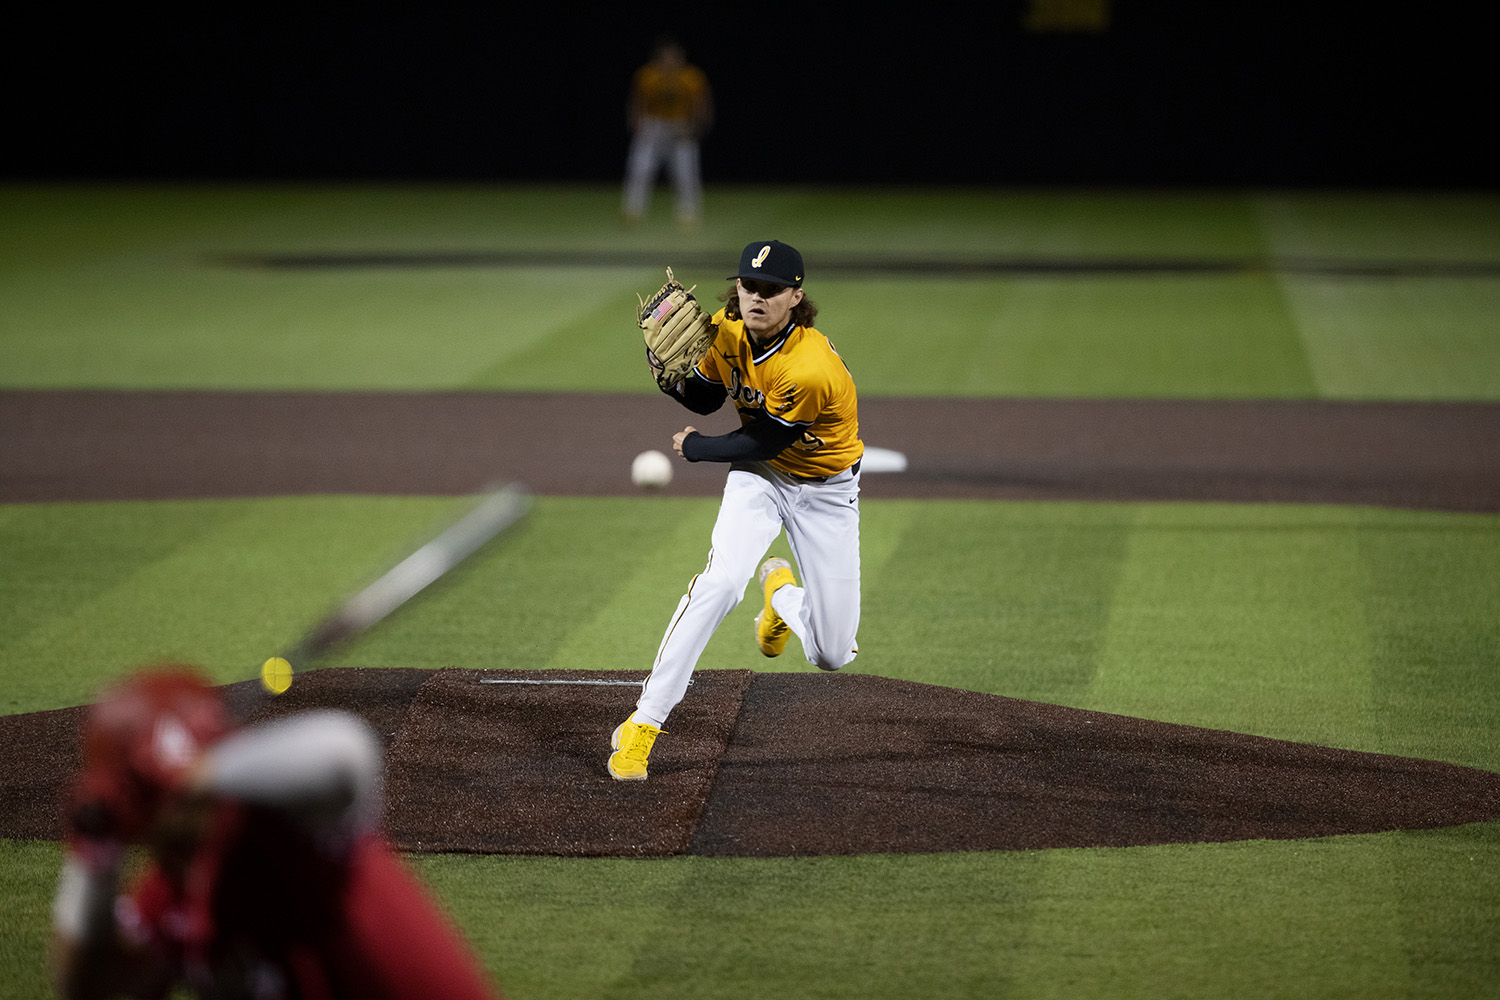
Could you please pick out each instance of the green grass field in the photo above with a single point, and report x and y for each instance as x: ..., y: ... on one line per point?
x: 1364, y: 628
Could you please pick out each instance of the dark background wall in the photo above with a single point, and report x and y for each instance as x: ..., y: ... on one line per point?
x: 1232, y: 93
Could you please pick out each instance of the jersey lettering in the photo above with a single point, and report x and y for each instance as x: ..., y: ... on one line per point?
x: 743, y: 394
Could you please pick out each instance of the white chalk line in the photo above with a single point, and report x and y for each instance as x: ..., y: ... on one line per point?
x: 510, y: 680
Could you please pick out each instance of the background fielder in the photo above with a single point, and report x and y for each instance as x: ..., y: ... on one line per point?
x: 670, y: 108
x: 793, y: 465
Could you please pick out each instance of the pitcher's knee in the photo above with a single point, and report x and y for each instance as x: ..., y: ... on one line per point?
x: 827, y: 661
x: 720, y: 589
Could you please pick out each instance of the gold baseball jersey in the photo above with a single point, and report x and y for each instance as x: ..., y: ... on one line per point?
x: 667, y: 94
x: 798, y: 381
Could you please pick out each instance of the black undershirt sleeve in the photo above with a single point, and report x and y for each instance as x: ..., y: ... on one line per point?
x: 757, y: 442
x: 699, y: 394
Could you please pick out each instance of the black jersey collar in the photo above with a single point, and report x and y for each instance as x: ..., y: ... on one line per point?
x: 775, y: 345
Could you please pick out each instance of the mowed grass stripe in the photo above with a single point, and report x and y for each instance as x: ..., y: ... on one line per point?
x: 222, y: 583
x: 553, y: 927
x: 1449, y: 882
x: 873, y: 926
x: 1408, y: 337
x: 1193, y: 337
x: 1192, y: 613
x: 1247, y: 618
x: 523, y: 601
x: 1007, y: 599
x: 1305, y: 919
x: 1432, y: 598
x: 28, y: 877
x: 1417, y: 339
x: 616, y: 634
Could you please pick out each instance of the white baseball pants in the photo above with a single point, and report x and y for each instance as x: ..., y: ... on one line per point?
x: 822, y: 526
x: 657, y: 142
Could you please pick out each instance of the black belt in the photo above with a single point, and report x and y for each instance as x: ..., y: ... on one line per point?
x: 823, y: 479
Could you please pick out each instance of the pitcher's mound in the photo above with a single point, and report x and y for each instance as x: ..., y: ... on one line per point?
x: 762, y: 765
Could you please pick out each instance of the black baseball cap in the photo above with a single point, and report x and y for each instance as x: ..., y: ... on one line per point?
x: 773, y: 261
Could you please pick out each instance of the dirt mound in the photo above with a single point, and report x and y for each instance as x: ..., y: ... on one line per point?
x: 762, y: 765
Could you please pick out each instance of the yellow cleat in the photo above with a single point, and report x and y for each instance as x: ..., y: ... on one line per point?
x: 771, y: 630
x: 631, y: 742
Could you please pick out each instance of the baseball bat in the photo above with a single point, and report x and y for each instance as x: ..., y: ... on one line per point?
x: 495, y: 512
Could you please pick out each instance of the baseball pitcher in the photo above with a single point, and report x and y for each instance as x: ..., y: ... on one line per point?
x: 793, y: 466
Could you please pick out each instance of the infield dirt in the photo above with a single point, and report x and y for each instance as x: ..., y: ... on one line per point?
x: 81, y: 445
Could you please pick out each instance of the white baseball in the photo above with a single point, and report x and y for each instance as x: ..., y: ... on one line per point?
x: 651, y: 470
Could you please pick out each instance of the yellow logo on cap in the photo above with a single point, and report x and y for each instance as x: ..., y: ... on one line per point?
x: 760, y: 258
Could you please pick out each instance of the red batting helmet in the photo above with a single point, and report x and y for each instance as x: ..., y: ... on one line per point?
x: 140, y: 740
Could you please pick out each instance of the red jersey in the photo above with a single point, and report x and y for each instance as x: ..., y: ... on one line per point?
x: 265, y: 911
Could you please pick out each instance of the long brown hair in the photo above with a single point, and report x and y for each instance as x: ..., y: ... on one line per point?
x: 803, y: 313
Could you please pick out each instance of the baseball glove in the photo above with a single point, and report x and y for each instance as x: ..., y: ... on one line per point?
x: 678, y: 333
